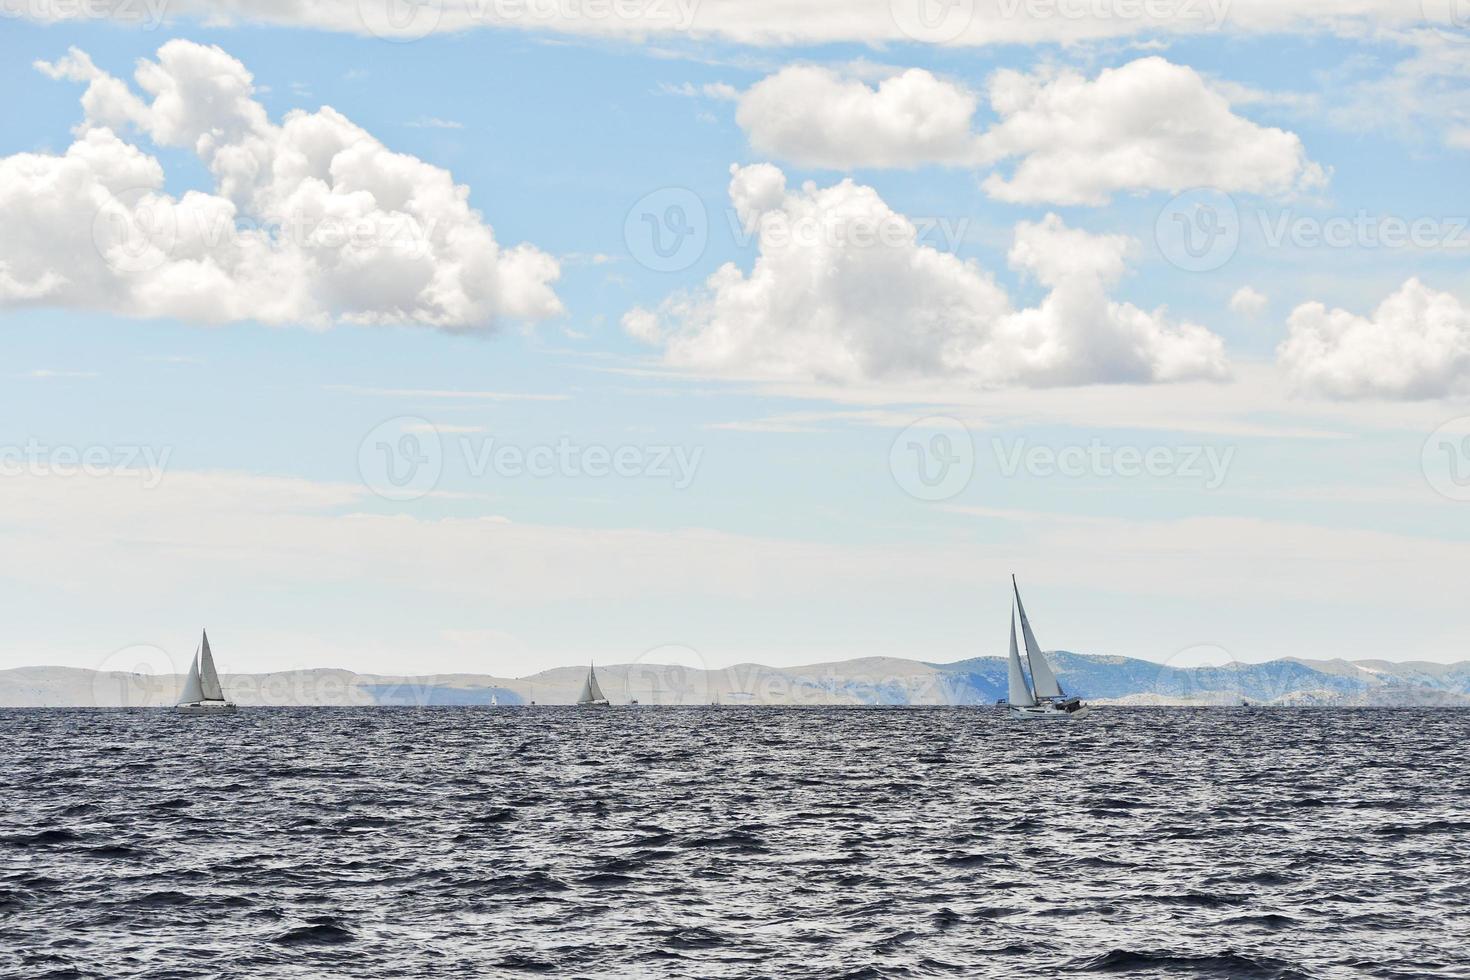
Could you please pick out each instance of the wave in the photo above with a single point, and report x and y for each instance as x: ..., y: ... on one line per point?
x: 1226, y: 966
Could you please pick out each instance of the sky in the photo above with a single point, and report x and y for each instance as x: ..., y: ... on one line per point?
x: 494, y: 336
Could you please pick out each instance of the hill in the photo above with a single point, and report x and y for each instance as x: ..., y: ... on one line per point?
x: 868, y: 681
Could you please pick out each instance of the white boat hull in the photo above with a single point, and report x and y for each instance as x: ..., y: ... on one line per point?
x: 207, y: 708
x: 1048, y: 712
x: 598, y: 703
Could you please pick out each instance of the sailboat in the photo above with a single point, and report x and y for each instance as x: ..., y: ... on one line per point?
x: 1040, y: 697
x: 592, y: 691
x: 202, y: 692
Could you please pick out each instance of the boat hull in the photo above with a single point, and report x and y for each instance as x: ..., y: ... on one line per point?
x: 598, y: 703
x: 207, y: 708
x: 1048, y: 712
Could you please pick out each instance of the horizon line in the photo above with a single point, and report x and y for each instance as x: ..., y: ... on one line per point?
x: 1232, y: 664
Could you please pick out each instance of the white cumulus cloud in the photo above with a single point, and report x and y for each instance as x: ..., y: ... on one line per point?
x: 1249, y: 301
x: 1415, y: 345
x: 843, y: 289
x: 815, y: 117
x: 781, y: 22
x: 312, y: 220
x: 1148, y: 125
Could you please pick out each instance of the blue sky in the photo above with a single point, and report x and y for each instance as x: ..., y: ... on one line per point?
x: 1305, y: 502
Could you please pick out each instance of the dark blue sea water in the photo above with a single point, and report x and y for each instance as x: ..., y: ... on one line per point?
x: 734, y: 842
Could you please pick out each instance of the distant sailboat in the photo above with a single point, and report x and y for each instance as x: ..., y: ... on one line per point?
x: 1041, y: 697
x: 202, y: 692
x: 592, y: 691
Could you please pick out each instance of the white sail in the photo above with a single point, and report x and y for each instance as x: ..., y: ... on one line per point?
x: 1042, y: 678
x: 1020, y: 692
x: 208, y: 678
x: 193, y: 693
x: 591, y: 690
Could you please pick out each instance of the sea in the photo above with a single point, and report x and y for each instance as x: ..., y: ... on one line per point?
x: 734, y: 842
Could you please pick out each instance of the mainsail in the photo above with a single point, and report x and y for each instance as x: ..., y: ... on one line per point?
x: 591, y: 691
x: 208, y: 679
x: 1020, y: 693
x: 1042, y: 677
x: 193, y: 693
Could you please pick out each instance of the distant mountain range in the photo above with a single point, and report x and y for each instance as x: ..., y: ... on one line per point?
x: 871, y: 681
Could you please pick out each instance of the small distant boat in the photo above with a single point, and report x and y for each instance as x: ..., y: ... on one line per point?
x: 592, y: 695
x: 1041, y: 697
x: 202, y: 692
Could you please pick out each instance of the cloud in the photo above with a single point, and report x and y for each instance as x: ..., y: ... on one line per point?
x: 815, y: 117
x: 434, y: 122
x: 52, y: 373
x: 719, y: 91
x: 1415, y: 345
x: 1248, y: 302
x: 65, y: 530
x: 843, y: 289
x: 788, y: 22
x: 1148, y: 125
x: 1422, y: 98
x: 455, y: 395
x: 374, y: 579
x: 642, y: 325
x: 311, y: 220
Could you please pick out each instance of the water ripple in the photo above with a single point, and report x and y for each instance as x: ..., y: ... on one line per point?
x: 733, y: 843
